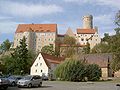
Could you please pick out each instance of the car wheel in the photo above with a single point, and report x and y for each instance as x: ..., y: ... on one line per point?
x: 29, y: 85
x: 13, y: 84
x: 40, y: 84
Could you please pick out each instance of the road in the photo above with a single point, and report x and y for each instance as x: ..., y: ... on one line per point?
x: 60, y: 85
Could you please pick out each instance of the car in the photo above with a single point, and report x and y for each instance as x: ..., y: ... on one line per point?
x: 4, y: 82
x: 30, y: 81
x: 13, y: 80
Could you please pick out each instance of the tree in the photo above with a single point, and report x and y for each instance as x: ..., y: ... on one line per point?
x: 71, y: 70
x: 69, y: 40
x: 5, y: 46
x: 101, y: 48
x: 49, y: 49
x: 70, y: 49
x: 117, y: 22
x: 77, y: 70
x: 21, y: 58
x: 86, y: 49
x: 93, y: 72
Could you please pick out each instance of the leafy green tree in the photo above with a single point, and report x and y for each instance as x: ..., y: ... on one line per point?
x: 5, y: 46
x: 101, y: 48
x: 93, y: 72
x: 69, y: 40
x: 71, y: 70
x: 49, y: 49
x: 86, y: 49
x: 70, y: 48
x: 21, y: 58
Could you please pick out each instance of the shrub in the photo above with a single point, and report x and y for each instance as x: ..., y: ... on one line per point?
x: 74, y: 70
x: 93, y: 72
x: 71, y: 70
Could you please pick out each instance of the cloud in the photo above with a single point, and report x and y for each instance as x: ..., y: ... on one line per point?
x: 105, y: 24
x: 8, y: 27
x: 110, y: 3
x: 28, y: 10
x: 104, y: 19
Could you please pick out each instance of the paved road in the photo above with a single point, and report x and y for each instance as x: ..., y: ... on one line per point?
x: 55, y: 85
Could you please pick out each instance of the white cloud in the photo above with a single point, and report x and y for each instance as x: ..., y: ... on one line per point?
x: 8, y: 27
x: 28, y: 10
x: 110, y: 3
x: 104, y: 19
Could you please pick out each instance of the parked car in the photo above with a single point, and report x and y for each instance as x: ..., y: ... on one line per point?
x: 30, y: 81
x: 14, y: 79
x: 4, y: 82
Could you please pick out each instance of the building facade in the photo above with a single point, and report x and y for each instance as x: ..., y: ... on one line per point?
x: 88, y: 34
x: 37, y: 35
x: 45, y: 65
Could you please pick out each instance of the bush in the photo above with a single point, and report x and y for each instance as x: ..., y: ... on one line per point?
x: 93, y: 72
x: 71, y: 70
x: 74, y: 70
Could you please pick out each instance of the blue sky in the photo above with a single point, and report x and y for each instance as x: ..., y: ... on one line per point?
x: 65, y: 13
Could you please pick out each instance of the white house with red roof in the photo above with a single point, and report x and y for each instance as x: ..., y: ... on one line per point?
x: 88, y: 34
x: 45, y: 65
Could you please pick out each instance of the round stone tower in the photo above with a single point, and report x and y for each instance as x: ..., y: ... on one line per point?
x: 88, y: 22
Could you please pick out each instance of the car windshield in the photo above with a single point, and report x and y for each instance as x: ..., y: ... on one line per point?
x: 27, y: 77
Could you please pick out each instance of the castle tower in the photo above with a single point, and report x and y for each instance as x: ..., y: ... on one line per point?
x: 88, y: 22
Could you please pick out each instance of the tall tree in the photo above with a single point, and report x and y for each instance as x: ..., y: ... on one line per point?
x: 70, y: 48
x: 5, y: 46
x: 21, y: 58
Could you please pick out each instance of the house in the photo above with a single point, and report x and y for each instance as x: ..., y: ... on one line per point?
x: 102, y: 60
x: 45, y: 65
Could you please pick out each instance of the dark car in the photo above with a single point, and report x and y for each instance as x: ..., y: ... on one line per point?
x: 4, y: 82
x: 13, y: 80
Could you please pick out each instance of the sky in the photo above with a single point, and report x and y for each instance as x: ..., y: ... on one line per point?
x: 64, y: 13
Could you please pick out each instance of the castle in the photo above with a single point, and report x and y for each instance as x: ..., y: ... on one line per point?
x: 40, y: 35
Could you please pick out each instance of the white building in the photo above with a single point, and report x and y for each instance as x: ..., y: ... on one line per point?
x: 88, y: 33
x: 45, y: 65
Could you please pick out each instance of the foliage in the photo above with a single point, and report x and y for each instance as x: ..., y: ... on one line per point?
x: 86, y: 49
x: 93, y: 72
x: 74, y: 70
x: 19, y: 61
x: 70, y: 70
x: 49, y: 49
x: 69, y: 40
x: 69, y: 49
x: 101, y: 48
x: 5, y: 46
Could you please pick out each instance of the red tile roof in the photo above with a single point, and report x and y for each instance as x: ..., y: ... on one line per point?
x: 86, y: 31
x: 37, y: 28
x: 52, y: 59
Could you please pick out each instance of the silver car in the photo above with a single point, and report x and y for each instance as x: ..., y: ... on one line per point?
x: 29, y: 81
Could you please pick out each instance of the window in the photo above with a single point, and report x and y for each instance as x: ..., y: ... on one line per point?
x: 41, y: 70
x: 82, y: 39
x: 86, y: 39
x: 40, y: 64
x: 39, y: 58
x: 36, y: 65
x: 36, y: 70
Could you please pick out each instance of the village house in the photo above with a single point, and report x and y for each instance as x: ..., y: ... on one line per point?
x: 45, y: 65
